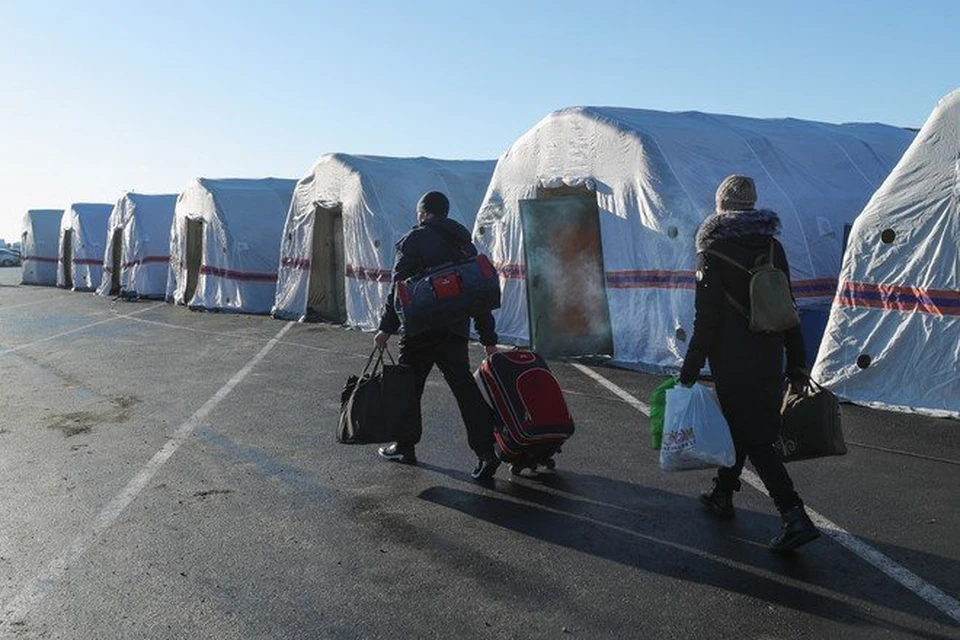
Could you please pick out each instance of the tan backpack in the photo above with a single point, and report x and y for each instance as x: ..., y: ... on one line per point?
x: 772, y: 308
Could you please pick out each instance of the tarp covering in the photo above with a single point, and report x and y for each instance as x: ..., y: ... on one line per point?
x: 655, y: 175
x: 377, y: 198
x: 87, y: 227
x: 893, y: 336
x: 143, y: 222
x: 39, y: 246
x: 242, y: 221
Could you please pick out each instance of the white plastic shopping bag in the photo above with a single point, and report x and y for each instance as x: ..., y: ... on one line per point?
x: 695, y: 433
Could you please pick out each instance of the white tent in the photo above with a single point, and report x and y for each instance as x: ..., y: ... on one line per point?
x: 136, y: 260
x: 347, y: 214
x: 612, y: 199
x: 83, y: 232
x: 893, y: 336
x: 39, y: 245
x: 225, y: 243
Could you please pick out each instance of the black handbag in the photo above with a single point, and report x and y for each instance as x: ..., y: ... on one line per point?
x: 380, y: 404
x: 811, y: 424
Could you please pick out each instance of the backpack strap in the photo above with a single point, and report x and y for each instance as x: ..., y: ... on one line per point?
x: 727, y: 259
x: 733, y: 301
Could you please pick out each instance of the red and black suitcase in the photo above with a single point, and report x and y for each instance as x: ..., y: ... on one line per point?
x: 533, y: 420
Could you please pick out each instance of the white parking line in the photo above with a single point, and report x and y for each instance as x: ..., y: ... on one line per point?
x: 46, y: 581
x: 889, y: 567
x: 26, y: 304
x: 21, y: 347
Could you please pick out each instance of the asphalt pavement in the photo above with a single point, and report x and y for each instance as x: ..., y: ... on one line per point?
x: 174, y: 474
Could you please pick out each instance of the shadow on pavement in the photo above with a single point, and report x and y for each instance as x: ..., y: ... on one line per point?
x: 644, y: 528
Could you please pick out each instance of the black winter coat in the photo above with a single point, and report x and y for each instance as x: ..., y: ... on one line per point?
x: 435, y: 242
x: 748, y: 368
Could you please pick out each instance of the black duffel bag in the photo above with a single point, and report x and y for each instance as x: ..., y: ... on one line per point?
x: 380, y: 404
x: 811, y: 424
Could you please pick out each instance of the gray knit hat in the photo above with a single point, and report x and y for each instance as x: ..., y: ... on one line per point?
x: 736, y: 193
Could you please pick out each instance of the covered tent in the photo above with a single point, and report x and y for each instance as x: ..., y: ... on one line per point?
x: 591, y: 216
x: 225, y: 243
x: 136, y: 260
x: 83, y: 233
x: 347, y: 214
x: 39, y: 246
x: 893, y: 336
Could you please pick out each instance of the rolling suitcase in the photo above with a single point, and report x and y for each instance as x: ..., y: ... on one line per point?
x: 533, y: 420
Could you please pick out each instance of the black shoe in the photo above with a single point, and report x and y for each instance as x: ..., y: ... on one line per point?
x: 486, y: 467
x: 718, y: 501
x: 396, y: 452
x: 797, y: 530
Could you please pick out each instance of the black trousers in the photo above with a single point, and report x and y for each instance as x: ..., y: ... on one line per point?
x: 771, y: 470
x: 449, y: 352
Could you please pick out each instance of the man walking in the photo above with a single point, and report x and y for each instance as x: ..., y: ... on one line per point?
x: 434, y: 241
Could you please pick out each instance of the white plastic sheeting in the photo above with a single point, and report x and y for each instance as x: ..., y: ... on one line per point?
x: 144, y: 225
x: 87, y: 225
x: 655, y: 175
x: 242, y: 221
x: 377, y: 197
x: 39, y: 246
x: 893, y: 337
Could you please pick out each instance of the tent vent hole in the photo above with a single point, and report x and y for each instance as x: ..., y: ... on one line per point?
x: 863, y: 361
x: 887, y: 236
x: 672, y: 232
x: 681, y: 334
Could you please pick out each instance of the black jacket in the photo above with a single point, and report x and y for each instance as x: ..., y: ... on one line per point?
x: 748, y: 368
x: 435, y: 242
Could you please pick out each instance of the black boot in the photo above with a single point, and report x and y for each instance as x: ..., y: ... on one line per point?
x: 797, y: 530
x: 718, y: 500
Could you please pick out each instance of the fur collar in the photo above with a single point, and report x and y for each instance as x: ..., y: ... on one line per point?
x: 736, y: 224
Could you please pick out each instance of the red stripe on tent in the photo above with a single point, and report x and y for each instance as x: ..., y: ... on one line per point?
x: 511, y: 271
x: 938, y: 302
x: 668, y: 279
x: 650, y: 279
x: 39, y: 259
x: 88, y: 261
x: 144, y: 260
x: 363, y: 273
x: 246, y: 276
x: 296, y: 263
x: 822, y: 288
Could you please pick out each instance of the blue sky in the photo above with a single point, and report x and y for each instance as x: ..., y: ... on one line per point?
x: 99, y: 97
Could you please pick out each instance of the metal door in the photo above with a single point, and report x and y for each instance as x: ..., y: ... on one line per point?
x: 117, y: 251
x: 566, y: 288
x: 68, y: 258
x: 326, y: 298
x: 194, y: 257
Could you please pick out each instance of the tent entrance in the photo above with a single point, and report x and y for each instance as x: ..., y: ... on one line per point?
x: 566, y: 289
x: 326, y: 295
x: 194, y: 256
x: 68, y: 258
x: 115, y: 266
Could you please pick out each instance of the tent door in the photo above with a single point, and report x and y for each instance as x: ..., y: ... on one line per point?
x: 68, y: 258
x: 194, y: 255
x: 566, y: 289
x: 326, y: 297
x: 115, y: 266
